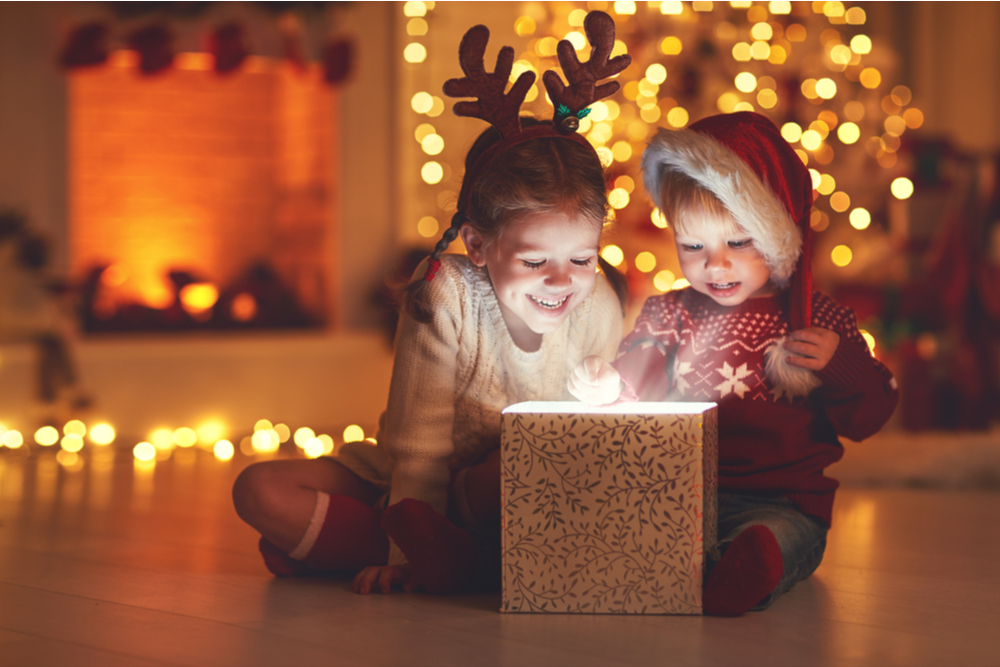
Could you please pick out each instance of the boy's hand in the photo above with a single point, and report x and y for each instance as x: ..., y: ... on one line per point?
x: 382, y: 578
x: 595, y: 382
x: 812, y: 348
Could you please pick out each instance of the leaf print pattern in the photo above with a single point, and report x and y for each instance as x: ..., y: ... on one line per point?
x: 607, y: 513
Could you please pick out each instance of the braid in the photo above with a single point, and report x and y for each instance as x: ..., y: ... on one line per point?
x: 414, y: 295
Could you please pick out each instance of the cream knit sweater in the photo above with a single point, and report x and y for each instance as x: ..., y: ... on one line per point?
x: 453, y: 376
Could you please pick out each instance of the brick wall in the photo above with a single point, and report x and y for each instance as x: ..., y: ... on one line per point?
x: 207, y: 173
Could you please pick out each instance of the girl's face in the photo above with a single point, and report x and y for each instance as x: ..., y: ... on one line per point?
x: 542, y: 267
x: 719, y: 259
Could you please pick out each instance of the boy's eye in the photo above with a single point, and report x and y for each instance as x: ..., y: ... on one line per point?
x: 691, y: 247
x: 745, y: 243
x: 532, y: 265
x: 582, y: 262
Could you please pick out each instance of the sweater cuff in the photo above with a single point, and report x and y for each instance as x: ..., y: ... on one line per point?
x: 848, y: 364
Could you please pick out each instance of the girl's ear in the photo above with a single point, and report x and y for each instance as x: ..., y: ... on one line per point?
x: 475, y: 245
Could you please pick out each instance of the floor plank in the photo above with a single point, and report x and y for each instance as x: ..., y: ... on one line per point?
x: 109, y: 563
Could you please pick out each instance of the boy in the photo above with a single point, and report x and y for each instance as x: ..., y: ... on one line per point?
x: 786, y: 365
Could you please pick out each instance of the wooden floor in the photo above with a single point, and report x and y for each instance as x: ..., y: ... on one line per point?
x: 109, y: 564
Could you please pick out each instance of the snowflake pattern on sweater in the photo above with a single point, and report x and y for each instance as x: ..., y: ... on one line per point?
x: 686, y: 347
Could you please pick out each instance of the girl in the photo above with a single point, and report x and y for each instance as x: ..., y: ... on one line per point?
x: 506, y: 323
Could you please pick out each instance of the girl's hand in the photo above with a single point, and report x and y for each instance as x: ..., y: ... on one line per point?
x: 812, y: 348
x: 384, y: 578
x: 595, y: 382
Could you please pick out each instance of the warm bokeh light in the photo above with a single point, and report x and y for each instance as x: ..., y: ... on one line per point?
x: 827, y: 184
x: 422, y: 102
x: 265, y: 441
x: 656, y: 73
x: 302, y: 434
x: 664, y: 280
x: 353, y: 433
x: 327, y: 443
x: 313, y: 448
x: 671, y: 46
x: 841, y: 255
x: 284, y: 433
x: 102, y: 434
x: 263, y: 425
x: 210, y: 431
x: 680, y: 283
x: 12, y: 439
x: 860, y: 218
x: 184, y: 437
x: 848, y: 133
x: 244, y: 307
x: 645, y: 261
x: 416, y: 27
x: 840, y: 201
x: 414, y: 8
x: 791, y: 132
x: 901, y: 188
x: 524, y: 26
x: 162, y: 439
x: 618, y: 198
x: 428, y: 227
x: 71, y: 443
x: 780, y: 8
x: 746, y: 82
x: 144, y: 451
x: 826, y: 88
x: 870, y: 78
x: 223, y: 450
x: 432, y: 172
x: 613, y: 255
x: 913, y: 118
x: 47, y: 436
x: 415, y: 53
x: 861, y: 44
x: 199, y: 297
x: 658, y: 219
x: 75, y: 427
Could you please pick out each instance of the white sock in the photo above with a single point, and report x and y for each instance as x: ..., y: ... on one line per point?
x: 315, y: 525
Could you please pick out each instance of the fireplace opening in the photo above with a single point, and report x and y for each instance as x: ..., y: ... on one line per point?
x: 202, y: 201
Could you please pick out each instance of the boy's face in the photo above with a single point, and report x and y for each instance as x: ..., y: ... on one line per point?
x: 719, y: 259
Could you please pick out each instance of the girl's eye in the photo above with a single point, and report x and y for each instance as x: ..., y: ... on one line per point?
x: 533, y: 265
x: 691, y: 247
x: 582, y: 262
x: 745, y: 243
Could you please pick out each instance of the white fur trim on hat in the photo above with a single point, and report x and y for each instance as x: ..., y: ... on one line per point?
x: 754, y: 206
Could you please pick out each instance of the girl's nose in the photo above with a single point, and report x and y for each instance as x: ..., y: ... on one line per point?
x: 557, y: 276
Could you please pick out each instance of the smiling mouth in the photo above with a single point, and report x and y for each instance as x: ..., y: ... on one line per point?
x: 549, y: 304
x: 722, y: 286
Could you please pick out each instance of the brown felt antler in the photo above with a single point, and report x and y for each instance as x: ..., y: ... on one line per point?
x: 499, y: 109
x: 583, y: 89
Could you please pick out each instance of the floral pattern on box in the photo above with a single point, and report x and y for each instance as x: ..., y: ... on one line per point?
x: 608, y: 513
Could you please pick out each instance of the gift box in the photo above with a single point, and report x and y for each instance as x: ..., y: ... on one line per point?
x: 609, y: 509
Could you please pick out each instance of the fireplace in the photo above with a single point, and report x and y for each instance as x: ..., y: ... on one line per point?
x: 199, y: 200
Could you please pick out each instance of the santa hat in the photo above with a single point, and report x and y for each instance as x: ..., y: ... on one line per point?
x: 743, y: 160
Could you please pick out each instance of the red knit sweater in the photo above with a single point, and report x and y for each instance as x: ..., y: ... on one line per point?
x: 686, y: 347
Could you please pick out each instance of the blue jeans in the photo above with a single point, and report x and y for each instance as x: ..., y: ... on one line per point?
x: 801, y: 538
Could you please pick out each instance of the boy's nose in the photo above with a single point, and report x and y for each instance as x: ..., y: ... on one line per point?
x: 718, y: 259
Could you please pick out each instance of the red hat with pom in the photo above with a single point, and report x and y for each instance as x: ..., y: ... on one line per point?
x: 743, y: 160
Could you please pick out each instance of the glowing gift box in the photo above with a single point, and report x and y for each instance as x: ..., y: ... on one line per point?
x: 610, y: 509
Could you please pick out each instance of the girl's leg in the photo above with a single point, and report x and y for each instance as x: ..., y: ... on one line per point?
x: 443, y: 556
x: 315, y: 513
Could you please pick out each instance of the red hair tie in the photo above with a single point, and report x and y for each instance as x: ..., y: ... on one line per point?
x: 432, y: 268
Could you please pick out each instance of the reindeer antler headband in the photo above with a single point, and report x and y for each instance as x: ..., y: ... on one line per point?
x: 502, y: 109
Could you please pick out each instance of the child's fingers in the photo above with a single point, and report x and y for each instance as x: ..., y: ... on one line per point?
x: 593, y: 367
